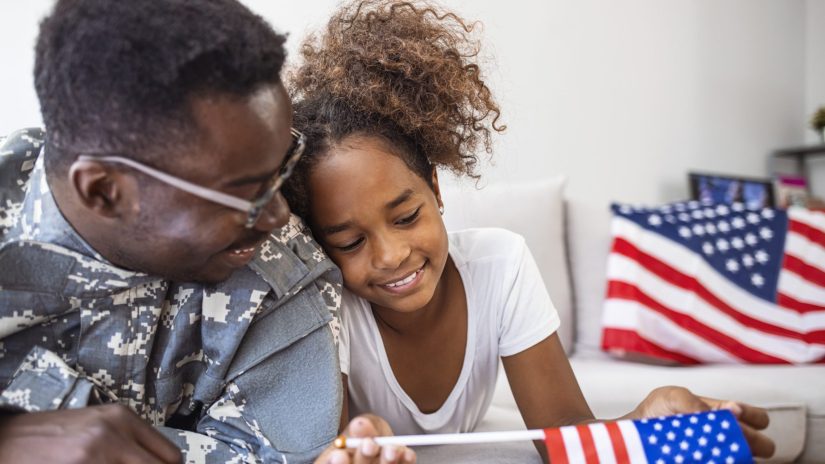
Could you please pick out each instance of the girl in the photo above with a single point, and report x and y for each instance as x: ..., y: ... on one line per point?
x: 386, y: 96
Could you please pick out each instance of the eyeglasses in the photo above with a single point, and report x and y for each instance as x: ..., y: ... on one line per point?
x: 253, y: 208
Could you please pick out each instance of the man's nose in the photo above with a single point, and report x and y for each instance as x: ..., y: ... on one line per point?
x: 274, y: 215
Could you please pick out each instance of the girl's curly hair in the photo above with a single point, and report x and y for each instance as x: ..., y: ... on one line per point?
x: 403, y: 71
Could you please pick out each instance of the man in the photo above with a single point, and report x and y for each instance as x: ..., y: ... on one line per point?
x: 157, y: 301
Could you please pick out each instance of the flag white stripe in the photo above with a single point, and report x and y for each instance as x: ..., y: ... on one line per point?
x: 604, y: 447
x: 572, y: 444
x: 800, y: 247
x: 622, y: 268
x: 803, y: 290
x: 814, y: 219
x: 797, y: 286
x: 663, y: 332
x: 683, y: 260
x: 632, y: 441
x: 620, y: 314
x: 686, y: 302
x: 794, y: 285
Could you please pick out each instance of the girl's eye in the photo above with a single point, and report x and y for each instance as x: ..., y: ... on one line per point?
x: 350, y: 246
x: 409, y: 219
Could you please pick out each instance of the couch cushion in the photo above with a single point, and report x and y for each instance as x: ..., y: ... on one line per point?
x: 534, y: 210
x: 589, y: 244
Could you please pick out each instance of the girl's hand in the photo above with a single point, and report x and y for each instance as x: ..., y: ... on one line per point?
x: 665, y: 401
x: 363, y: 426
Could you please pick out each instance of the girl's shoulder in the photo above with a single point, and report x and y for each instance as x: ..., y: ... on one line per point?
x: 352, y: 304
x: 486, y: 243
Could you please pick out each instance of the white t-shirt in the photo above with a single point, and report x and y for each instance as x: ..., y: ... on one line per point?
x: 508, y: 311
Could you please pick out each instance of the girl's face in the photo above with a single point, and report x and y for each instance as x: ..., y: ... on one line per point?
x: 380, y: 223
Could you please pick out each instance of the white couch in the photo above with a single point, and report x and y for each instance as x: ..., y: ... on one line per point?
x: 570, y: 241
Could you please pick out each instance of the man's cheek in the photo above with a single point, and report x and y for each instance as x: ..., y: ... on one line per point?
x: 192, y: 228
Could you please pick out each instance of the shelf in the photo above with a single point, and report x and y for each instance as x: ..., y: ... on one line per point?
x: 799, y: 155
x: 797, y: 152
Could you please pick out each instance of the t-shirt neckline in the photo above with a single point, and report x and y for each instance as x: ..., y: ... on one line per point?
x: 442, y: 415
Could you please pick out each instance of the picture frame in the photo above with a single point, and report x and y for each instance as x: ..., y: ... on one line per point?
x: 720, y: 188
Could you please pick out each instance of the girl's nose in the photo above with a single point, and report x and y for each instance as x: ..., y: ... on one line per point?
x: 389, y: 252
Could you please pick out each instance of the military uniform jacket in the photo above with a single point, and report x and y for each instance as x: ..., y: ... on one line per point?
x: 243, y: 371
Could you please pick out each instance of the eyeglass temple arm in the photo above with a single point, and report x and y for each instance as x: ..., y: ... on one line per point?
x: 194, y: 189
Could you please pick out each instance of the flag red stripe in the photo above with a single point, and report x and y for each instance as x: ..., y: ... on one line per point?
x: 807, y: 337
x: 588, y: 445
x: 555, y: 446
x: 630, y: 340
x: 619, y: 449
x: 813, y: 234
x: 674, y: 277
x: 810, y: 273
x: 625, y: 291
x: 667, y: 273
x: 799, y: 306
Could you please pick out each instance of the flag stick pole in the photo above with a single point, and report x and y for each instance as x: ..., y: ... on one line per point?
x: 444, y: 439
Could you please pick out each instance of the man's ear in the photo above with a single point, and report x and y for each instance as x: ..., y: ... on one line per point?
x: 437, y: 190
x: 102, y: 190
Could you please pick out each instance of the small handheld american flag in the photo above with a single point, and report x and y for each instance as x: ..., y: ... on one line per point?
x: 712, y: 437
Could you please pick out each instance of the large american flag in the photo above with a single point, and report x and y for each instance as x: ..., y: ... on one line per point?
x: 708, y: 437
x: 695, y: 282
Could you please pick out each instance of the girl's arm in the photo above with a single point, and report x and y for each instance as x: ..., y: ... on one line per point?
x: 544, y: 387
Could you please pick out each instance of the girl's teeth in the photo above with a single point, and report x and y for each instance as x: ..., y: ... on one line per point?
x: 405, y: 281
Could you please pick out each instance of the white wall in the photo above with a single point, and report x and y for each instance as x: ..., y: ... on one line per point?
x: 623, y: 97
x: 18, y: 32
x: 815, y: 59
x: 815, y: 83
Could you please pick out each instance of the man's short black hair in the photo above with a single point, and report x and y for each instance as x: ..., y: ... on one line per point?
x: 117, y: 76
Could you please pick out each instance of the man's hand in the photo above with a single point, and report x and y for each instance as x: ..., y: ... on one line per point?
x: 665, y: 401
x: 105, y: 434
x: 365, y: 426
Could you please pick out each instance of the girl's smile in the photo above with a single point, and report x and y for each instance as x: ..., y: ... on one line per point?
x: 405, y: 284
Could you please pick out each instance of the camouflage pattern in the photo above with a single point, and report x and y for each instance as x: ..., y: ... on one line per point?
x: 249, y: 365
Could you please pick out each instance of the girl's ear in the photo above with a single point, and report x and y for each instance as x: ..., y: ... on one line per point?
x: 437, y: 191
